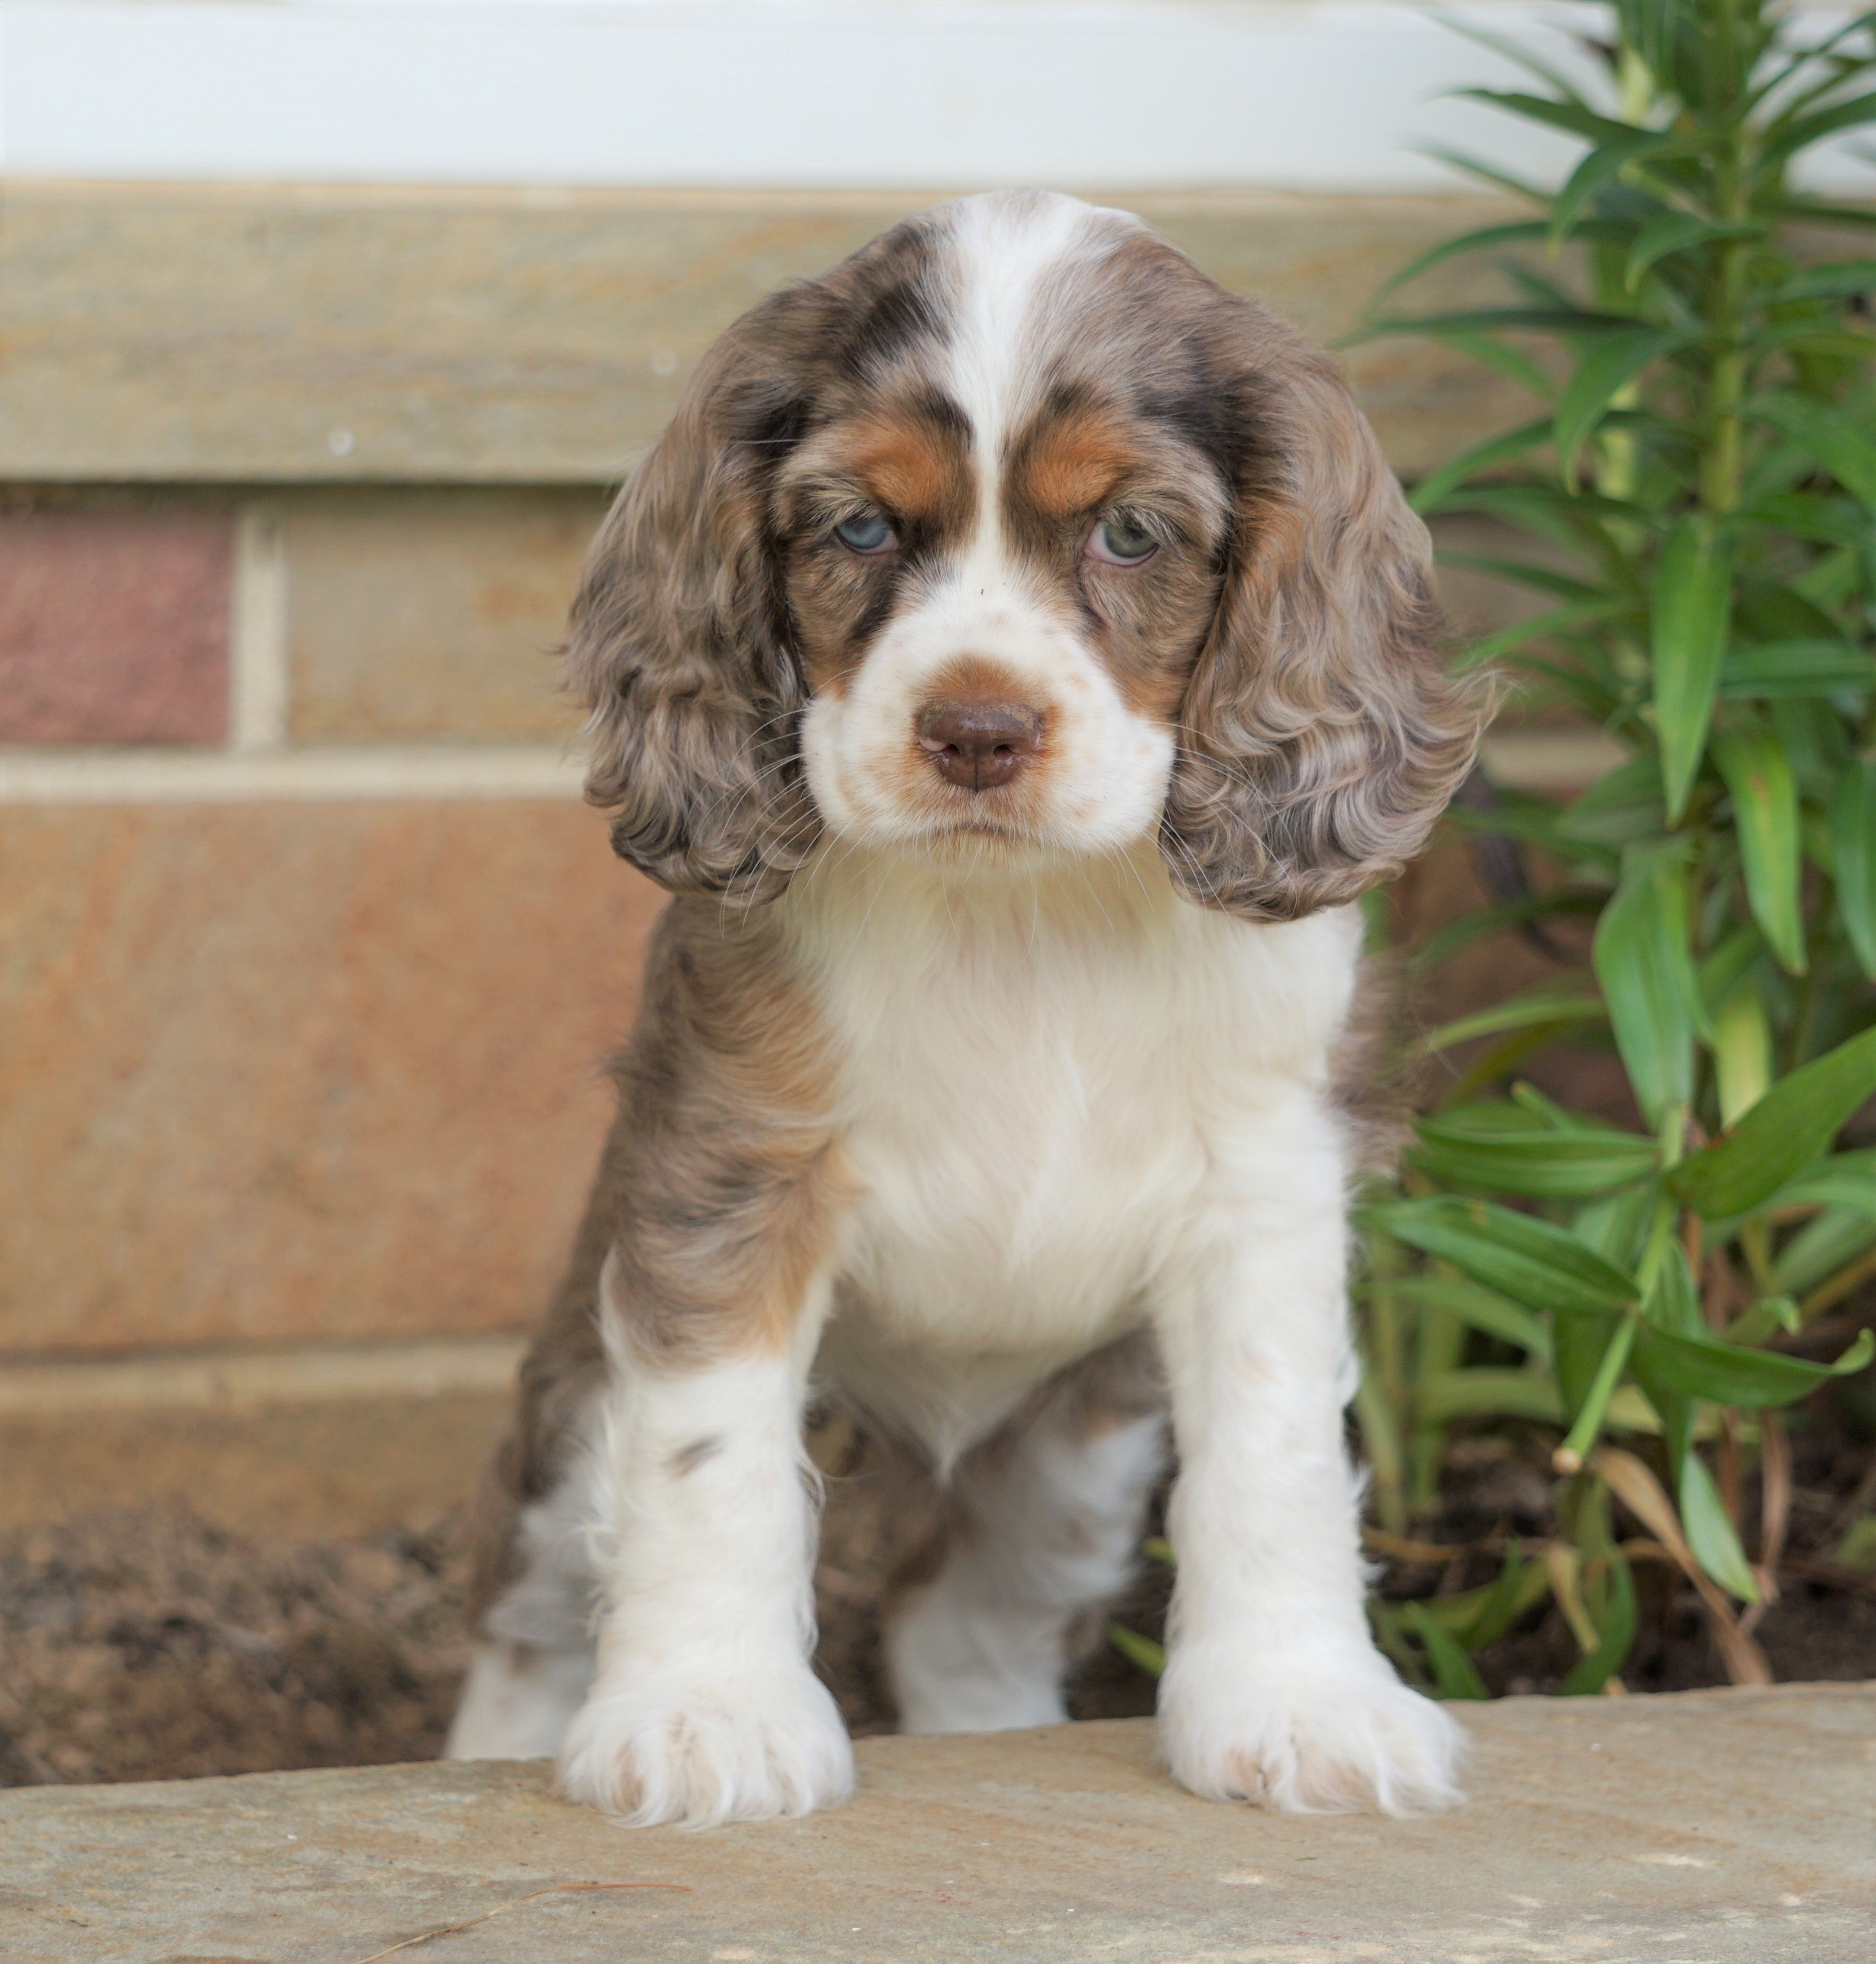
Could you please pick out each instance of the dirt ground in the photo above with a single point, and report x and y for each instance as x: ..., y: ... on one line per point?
x: 139, y: 1644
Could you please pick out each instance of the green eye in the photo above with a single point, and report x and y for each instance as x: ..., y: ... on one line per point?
x: 868, y: 533
x: 1121, y: 542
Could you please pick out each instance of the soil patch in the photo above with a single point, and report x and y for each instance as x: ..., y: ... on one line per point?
x: 144, y: 1645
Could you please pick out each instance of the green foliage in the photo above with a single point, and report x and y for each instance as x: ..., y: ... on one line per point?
x: 1696, y: 489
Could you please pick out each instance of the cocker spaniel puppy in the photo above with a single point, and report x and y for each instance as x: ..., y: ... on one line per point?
x: 1016, y: 657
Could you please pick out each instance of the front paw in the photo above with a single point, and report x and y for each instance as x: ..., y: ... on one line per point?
x: 740, y: 1745
x: 1329, y: 1732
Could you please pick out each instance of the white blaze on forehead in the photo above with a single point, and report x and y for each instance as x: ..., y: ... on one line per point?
x: 1010, y: 247
x: 1006, y: 256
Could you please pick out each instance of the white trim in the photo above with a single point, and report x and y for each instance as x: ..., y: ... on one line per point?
x: 227, y: 777
x: 259, y: 682
x: 428, y: 1367
x: 1314, y: 95
x: 1310, y: 95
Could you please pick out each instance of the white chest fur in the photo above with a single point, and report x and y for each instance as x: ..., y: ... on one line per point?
x: 1039, y: 1080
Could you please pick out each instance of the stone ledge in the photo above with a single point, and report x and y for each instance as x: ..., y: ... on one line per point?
x: 292, y: 335
x: 1719, y: 1826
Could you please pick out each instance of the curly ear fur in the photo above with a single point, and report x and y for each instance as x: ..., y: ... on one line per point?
x: 1321, y: 736
x: 677, y: 643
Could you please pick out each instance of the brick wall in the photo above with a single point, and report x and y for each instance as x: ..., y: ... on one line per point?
x: 309, y: 954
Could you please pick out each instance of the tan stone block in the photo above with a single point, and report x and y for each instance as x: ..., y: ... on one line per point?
x: 301, y: 1070
x: 431, y: 613
x: 287, y: 334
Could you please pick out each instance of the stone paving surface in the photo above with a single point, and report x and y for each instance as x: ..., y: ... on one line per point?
x: 1698, y: 1829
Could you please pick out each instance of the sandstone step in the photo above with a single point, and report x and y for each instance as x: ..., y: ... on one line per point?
x: 1713, y: 1826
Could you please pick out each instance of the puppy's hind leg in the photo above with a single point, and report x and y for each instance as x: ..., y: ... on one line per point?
x: 1047, y: 1518
x: 517, y: 1701
x: 532, y: 1669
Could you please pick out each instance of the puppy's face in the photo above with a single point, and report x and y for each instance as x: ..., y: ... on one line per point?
x: 1015, y: 535
x: 1000, y: 562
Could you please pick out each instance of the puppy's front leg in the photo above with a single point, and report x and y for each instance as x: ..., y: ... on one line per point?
x: 706, y: 1707
x: 1273, y: 1690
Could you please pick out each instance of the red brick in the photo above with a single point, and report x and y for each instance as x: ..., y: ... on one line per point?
x: 114, y: 626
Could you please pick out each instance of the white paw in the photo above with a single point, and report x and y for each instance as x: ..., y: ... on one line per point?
x: 740, y: 1745
x: 1329, y: 1732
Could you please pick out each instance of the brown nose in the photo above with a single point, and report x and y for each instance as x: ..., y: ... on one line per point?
x: 979, y: 745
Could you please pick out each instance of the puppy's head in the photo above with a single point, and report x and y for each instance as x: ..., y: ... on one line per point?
x: 1016, y: 533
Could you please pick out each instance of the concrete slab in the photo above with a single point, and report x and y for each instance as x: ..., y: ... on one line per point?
x: 1699, y: 1829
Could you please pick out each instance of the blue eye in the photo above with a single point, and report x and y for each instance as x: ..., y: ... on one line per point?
x: 1120, y: 542
x: 868, y: 533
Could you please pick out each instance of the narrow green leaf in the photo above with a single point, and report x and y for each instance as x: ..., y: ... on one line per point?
x: 1500, y: 1147
x: 1615, y: 1634
x: 1724, y: 967
x: 1842, y: 279
x: 1557, y: 624
x: 1709, y: 1534
x: 1764, y: 1319
x: 1518, y: 368
x: 1810, y: 337
x: 1826, y: 517
x: 1485, y: 238
x: 1641, y: 958
x: 1793, y: 1125
x: 1704, y: 1367
x: 1692, y: 599
x: 1853, y: 856
x: 1827, y: 434
x: 1616, y: 1226
x: 1546, y: 1003
x: 1808, y: 130
x: 1622, y: 807
x: 1673, y: 1303
x: 1741, y: 1053
x: 1847, y: 1180
x: 1607, y: 366
x: 1577, y: 521
x: 1140, y: 1651
x: 1489, y: 1392
x: 1455, y: 1675
x: 1480, y: 1308
x: 1795, y: 668
x: 1820, y: 1248
x: 1612, y: 155
x: 1574, y: 115
x: 1523, y: 573
x: 1583, y: 1342
x: 1766, y: 812
x: 1674, y: 232
x: 1532, y: 1261
x: 1487, y: 456
x: 1489, y: 320
x: 1521, y: 1585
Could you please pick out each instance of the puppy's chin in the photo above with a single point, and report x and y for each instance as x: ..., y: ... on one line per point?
x: 984, y: 843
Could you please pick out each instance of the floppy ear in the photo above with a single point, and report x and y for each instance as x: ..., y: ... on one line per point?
x: 677, y: 643
x: 1321, y: 736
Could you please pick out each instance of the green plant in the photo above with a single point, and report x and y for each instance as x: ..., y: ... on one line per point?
x: 1696, y: 501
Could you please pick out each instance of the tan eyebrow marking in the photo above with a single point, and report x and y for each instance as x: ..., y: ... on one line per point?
x: 911, y: 467
x: 1069, y: 464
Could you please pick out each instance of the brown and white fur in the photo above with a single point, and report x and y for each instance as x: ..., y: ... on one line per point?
x: 986, y: 1075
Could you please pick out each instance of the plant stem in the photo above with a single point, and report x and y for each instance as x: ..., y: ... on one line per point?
x: 1569, y: 1456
